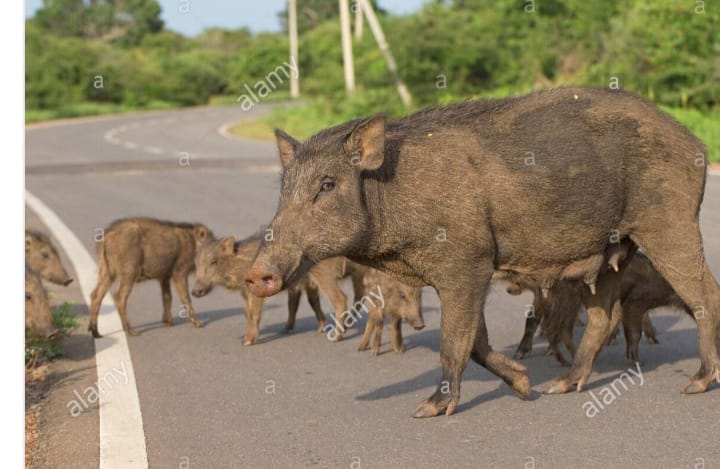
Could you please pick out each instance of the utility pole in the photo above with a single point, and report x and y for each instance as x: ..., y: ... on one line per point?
x: 347, y: 46
x: 358, y: 19
x: 292, y: 30
x: 385, y: 49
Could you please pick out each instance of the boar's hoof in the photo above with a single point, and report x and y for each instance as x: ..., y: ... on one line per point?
x: 522, y: 351
x: 288, y: 328
x: 94, y: 330
x: 560, y: 386
x: 375, y: 352
x: 432, y: 408
x: 196, y: 323
x: 701, y: 381
x: 652, y: 340
x: 168, y: 322
x: 131, y: 331
x: 321, y: 326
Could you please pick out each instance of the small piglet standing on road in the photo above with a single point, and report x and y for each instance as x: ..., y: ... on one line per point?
x: 37, y: 307
x: 137, y: 249
x: 42, y: 257
x: 399, y: 302
x: 224, y: 262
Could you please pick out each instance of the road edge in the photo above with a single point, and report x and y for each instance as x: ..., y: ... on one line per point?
x: 122, y: 436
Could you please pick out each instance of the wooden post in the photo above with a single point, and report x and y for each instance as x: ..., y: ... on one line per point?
x: 347, y: 46
x: 292, y: 30
x: 385, y: 49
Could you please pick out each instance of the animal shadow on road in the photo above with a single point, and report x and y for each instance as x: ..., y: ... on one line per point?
x: 675, y: 346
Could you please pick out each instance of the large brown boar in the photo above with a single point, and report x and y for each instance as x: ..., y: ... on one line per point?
x: 397, y: 301
x: 42, y: 257
x: 538, y: 184
x: 38, y: 318
x: 224, y: 262
x: 137, y: 249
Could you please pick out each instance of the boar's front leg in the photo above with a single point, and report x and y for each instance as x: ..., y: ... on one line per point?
x: 463, y: 332
x: 181, y: 285
x: 604, y: 314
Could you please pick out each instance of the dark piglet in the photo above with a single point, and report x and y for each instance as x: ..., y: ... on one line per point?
x: 539, y: 184
x: 399, y: 302
x: 38, y: 318
x: 42, y: 257
x: 138, y: 249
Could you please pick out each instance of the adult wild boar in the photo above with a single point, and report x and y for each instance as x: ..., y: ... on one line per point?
x: 42, y: 257
x: 399, y: 302
x: 38, y: 318
x: 539, y: 185
x: 137, y: 249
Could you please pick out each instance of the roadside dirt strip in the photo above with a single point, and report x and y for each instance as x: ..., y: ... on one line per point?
x: 122, y: 438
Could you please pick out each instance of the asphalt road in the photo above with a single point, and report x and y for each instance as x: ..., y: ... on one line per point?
x: 300, y: 401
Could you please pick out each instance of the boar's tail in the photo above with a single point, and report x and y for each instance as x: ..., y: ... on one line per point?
x: 103, y: 264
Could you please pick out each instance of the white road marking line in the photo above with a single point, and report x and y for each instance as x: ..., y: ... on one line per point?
x: 122, y: 437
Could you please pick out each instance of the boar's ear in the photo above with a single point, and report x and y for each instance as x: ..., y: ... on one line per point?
x: 367, y: 143
x: 287, y: 146
x: 227, y: 245
x: 201, y: 234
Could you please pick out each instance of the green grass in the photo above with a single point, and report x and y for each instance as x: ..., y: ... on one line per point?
x: 89, y: 109
x: 303, y: 121
x: 38, y: 349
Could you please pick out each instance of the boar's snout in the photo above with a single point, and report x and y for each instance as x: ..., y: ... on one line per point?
x: 262, y: 282
x: 68, y: 281
x: 418, y: 324
x: 200, y: 290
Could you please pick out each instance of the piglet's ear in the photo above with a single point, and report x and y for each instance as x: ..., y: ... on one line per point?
x: 288, y: 147
x: 366, y: 143
x: 201, y: 233
x: 227, y: 245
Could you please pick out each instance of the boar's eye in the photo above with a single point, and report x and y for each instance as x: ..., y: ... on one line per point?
x: 46, y: 255
x: 28, y: 296
x: 326, y: 185
x: 214, y: 261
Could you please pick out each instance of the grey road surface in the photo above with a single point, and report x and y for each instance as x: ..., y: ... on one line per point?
x: 296, y: 401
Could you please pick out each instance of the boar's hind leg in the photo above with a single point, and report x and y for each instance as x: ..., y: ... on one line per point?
x: 121, y: 296
x: 103, y: 285
x: 167, y: 301
x: 313, y: 297
x: 678, y: 257
x: 181, y: 285
x: 604, y: 313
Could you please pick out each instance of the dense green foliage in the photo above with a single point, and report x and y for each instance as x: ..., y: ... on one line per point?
x: 667, y: 51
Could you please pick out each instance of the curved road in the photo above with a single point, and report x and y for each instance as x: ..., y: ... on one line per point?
x: 300, y: 401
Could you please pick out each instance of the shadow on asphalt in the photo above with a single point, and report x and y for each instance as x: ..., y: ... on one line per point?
x: 675, y: 346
